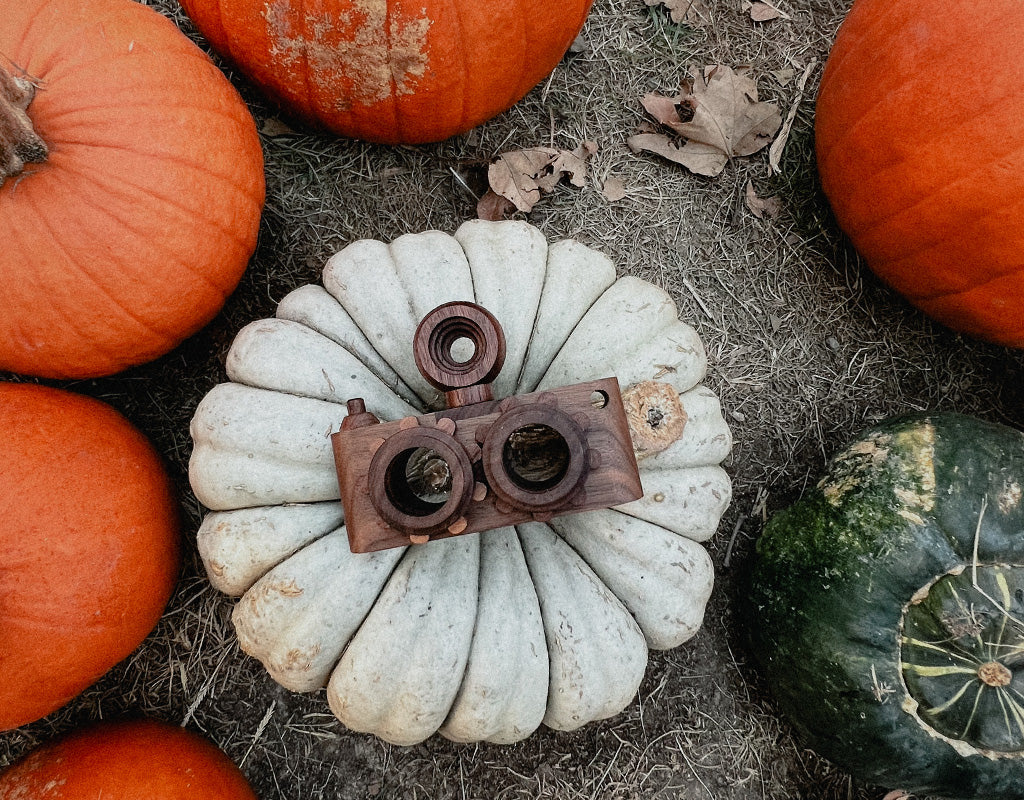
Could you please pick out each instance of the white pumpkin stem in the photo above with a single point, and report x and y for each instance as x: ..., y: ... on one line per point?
x: 655, y: 414
x: 19, y: 143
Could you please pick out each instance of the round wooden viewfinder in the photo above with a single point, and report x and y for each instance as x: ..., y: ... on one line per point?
x: 535, y: 457
x: 421, y: 481
x: 459, y: 345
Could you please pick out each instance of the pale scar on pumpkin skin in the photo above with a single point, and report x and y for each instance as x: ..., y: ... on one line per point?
x: 655, y: 415
x: 1009, y: 498
x: 382, y: 57
x: 288, y: 589
x: 34, y: 763
x: 299, y: 659
x: 915, y: 450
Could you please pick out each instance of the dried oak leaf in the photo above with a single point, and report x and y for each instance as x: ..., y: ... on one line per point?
x: 572, y: 163
x: 273, y: 127
x: 493, y: 206
x: 761, y: 207
x: 784, y: 76
x: 580, y: 44
x: 761, y: 11
x: 521, y: 176
x: 692, y: 12
x: 725, y: 120
x: 613, y: 188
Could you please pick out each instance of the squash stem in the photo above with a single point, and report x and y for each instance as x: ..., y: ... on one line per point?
x: 19, y: 143
x: 994, y: 674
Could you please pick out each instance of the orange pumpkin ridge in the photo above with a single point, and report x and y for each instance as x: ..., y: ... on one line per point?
x: 123, y: 761
x: 142, y: 219
x: 90, y: 537
x: 393, y: 71
x: 923, y: 174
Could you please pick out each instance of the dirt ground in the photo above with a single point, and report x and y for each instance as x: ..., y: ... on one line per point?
x: 806, y: 347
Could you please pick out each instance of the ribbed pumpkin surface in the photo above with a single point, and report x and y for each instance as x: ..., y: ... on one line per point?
x: 482, y: 637
x: 132, y: 233
x: 393, y: 71
x: 887, y: 608
x: 136, y: 760
x: 89, y: 537
x: 921, y: 151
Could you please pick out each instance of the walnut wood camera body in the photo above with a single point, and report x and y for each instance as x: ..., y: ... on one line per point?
x: 598, y: 468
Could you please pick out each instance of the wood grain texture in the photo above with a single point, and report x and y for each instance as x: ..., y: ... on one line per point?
x: 609, y: 472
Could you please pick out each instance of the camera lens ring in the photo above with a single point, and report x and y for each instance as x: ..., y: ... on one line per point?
x: 391, y: 496
x: 437, y: 334
x: 547, y: 495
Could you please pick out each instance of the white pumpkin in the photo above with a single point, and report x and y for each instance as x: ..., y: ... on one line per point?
x: 478, y: 637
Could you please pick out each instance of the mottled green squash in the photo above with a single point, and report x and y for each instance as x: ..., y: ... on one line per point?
x: 888, y: 608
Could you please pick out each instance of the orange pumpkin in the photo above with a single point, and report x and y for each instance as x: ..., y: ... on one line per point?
x: 89, y: 538
x: 130, y: 760
x: 921, y: 152
x: 134, y: 183
x: 404, y: 71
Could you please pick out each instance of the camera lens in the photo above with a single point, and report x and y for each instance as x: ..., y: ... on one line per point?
x: 535, y: 457
x: 420, y: 480
x: 458, y: 345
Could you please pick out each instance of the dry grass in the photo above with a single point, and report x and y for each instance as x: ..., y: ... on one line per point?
x: 806, y: 348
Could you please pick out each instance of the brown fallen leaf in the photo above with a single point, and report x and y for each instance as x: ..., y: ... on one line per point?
x: 784, y: 76
x: 613, y: 189
x: 514, y: 175
x: 762, y: 207
x: 691, y: 155
x: 273, y: 127
x: 573, y: 164
x: 775, y: 151
x: 761, y: 11
x: 521, y: 176
x: 580, y: 44
x: 492, y: 206
x: 726, y: 120
x: 664, y: 109
x: 692, y: 12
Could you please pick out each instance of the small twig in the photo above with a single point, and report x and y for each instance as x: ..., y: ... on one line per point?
x: 760, y: 506
x: 732, y: 539
x: 697, y: 297
x: 204, y: 690
x: 776, y: 148
x: 600, y: 780
x: 693, y: 770
x: 462, y: 182
x: 547, y: 86
x: 974, y: 571
x: 756, y: 508
x: 977, y: 537
x: 259, y: 732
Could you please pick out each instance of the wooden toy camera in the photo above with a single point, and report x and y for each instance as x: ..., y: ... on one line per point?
x: 481, y: 463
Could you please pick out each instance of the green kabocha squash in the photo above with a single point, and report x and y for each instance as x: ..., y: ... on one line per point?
x: 888, y: 608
